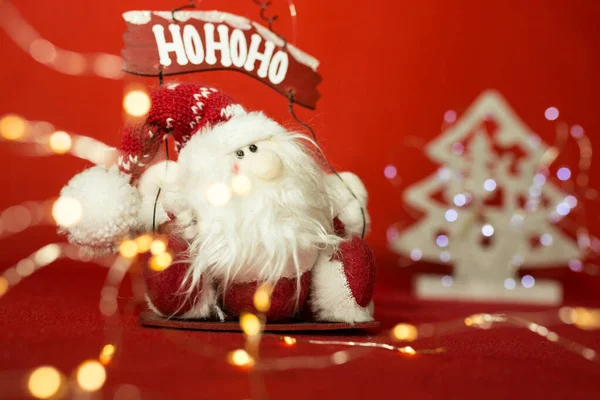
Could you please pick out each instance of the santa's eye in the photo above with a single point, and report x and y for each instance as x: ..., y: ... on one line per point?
x: 240, y: 154
x: 253, y: 148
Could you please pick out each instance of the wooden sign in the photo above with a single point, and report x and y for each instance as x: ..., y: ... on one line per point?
x: 214, y: 40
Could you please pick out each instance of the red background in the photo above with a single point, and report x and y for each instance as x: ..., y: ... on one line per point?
x: 391, y: 69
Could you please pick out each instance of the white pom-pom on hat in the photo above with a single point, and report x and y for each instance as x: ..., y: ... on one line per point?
x: 109, y: 208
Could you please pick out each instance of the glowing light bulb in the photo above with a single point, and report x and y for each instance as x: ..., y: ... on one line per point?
x: 405, y: 332
x: 241, y: 185
x: 136, y: 103
x: 290, y: 341
x: 107, y: 353
x: 66, y: 211
x: 240, y: 358
x: 60, y: 142
x: 218, y: 194
x: 143, y: 243
x: 91, y: 375
x: 161, y: 261
x: 128, y: 249
x: 12, y: 127
x: 262, y: 298
x: 158, y: 246
x: 250, y: 324
x: 44, y: 382
x: 407, y: 350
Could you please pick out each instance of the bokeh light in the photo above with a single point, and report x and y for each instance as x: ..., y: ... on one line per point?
x: 451, y: 215
x: 44, y: 382
x: 577, y: 131
x: 390, y: 171
x: 447, y: 281
x: 546, y: 239
x: 13, y: 127
x: 66, y: 211
x: 551, y: 113
x: 158, y: 246
x: 528, y: 281
x: 136, y: 103
x: 240, y: 358
x: 262, y: 297
x: 143, y: 243
x: 60, y: 142
x: 445, y: 256
x: 404, y: 332
x: 91, y: 375
x: 250, y: 324
x: 450, y: 116
x: 241, y: 185
x: 487, y: 230
x: 442, y: 240
x: 460, y: 200
x: 509, y: 283
x: 563, y: 173
x: 290, y: 341
x: 489, y: 185
x: 416, y: 254
x: 218, y: 194
x: 161, y: 261
x: 128, y: 249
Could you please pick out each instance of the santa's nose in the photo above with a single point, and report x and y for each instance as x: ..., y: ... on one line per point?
x: 266, y: 165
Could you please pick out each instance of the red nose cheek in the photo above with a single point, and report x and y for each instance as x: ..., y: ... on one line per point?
x: 236, y: 168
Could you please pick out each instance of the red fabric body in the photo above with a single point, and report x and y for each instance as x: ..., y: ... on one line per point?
x: 285, y: 299
x: 164, y: 287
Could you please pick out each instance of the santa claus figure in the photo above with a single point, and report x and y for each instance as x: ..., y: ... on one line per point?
x: 245, y: 204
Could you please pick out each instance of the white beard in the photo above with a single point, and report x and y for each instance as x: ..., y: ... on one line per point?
x: 275, y: 231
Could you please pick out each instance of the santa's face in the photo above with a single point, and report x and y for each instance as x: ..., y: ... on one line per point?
x: 259, y: 201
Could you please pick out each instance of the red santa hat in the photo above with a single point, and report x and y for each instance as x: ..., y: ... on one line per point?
x: 109, y: 203
x: 177, y: 110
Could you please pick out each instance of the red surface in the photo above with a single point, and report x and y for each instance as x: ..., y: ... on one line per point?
x: 391, y: 69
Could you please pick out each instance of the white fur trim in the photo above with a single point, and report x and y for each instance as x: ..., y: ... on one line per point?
x: 331, y: 297
x: 346, y: 207
x: 109, y: 208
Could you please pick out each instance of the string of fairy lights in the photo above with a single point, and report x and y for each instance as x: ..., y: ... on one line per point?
x: 40, y: 138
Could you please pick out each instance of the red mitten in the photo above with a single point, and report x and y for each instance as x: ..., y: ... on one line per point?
x: 342, y: 283
x: 359, y: 269
x: 239, y: 298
